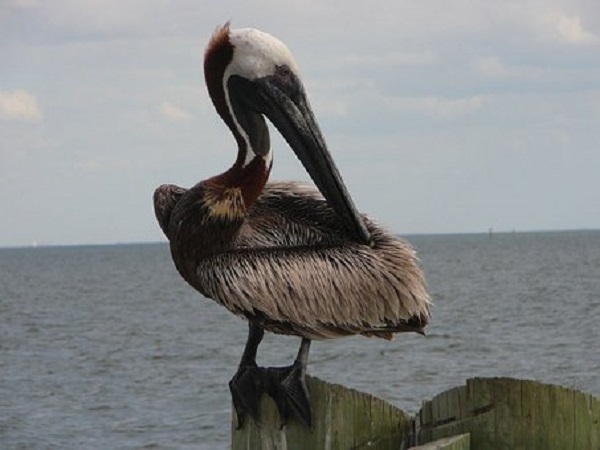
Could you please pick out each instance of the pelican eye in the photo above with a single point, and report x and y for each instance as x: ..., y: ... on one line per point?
x: 287, y: 81
x: 283, y: 72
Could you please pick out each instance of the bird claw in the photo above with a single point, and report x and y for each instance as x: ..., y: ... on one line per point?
x: 287, y: 386
x: 246, y: 387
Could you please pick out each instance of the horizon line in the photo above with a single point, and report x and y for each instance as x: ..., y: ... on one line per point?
x: 490, y: 232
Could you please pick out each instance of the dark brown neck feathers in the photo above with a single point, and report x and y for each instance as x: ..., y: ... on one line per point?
x: 217, y: 57
x: 250, y: 179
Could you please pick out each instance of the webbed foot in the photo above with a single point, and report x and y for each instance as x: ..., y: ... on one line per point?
x: 246, y: 388
x: 287, y: 387
x: 293, y: 398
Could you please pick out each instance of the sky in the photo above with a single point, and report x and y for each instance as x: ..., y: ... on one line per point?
x: 444, y: 116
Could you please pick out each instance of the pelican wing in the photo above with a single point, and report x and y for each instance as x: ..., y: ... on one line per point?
x: 296, y: 268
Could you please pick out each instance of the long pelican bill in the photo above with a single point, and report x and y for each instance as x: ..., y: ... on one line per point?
x: 292, y: 116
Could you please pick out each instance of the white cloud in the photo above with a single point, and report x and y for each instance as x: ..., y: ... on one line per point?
x: 572, y: 31
x: 437, y: 106
x: 440, y: 80
x: 567, y: 28
x: 492, y: 66
x: 19, y: 105
x: 393, y: 59
x: 173, y: 113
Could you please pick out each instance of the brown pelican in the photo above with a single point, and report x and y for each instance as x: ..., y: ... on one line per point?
x: 289, y: 258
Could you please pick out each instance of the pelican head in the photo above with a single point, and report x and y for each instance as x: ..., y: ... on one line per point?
x: 251, y: 75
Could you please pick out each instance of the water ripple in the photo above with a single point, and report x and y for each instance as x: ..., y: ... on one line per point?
x: 106, y: 347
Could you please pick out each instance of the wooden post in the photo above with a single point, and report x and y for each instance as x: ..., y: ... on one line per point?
x: 505, y: 413
x: 486, y: 414
x: 343, y: 419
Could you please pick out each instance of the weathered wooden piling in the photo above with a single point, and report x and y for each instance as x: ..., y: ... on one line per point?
x: 506, y: 413
x: 485, y: 414
x: 343, y: 419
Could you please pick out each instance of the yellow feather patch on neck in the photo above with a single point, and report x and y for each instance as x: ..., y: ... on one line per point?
x: 225, y: 203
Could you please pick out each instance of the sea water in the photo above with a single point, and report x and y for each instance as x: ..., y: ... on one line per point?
x: 106, y: 347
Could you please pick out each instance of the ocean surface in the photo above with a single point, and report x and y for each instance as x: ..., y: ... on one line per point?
x: 105, y: 347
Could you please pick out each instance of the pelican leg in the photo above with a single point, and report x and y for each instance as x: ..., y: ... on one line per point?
x: 247, y: 384
x: 287, y: 386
